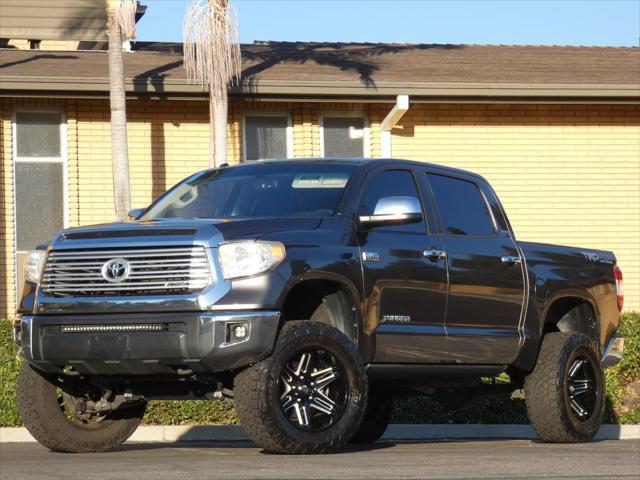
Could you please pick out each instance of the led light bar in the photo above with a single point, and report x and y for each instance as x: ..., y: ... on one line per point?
x: 143, y: 327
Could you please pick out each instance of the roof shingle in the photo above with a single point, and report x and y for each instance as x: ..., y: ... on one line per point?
x: 365, y: 69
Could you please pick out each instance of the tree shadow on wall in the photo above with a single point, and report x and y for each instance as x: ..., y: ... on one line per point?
x: 158, y: 160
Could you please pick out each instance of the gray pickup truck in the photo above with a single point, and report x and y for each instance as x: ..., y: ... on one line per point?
x: 311, y: 293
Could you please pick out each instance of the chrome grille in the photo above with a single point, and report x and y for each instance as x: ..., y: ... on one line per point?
x: 151, y: 271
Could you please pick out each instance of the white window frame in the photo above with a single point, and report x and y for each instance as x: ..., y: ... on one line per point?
x: 366, y: 143
x: 289, y: 131
x: 63, y: 159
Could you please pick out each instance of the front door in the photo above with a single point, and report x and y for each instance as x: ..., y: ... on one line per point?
x: 405, y: 292
x: 486, y: 280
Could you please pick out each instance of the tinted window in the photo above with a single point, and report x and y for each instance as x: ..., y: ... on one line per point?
x: 39, y: 178
x: 343, y: 136
x: 265, y: 137
x: 38, y: 134
x: 257, y: 190
x: 462, y: 207
x: 39, y: 202
x: 391, y: 183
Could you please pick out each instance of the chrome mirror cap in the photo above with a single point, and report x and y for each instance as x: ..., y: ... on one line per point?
x: 397, y: 206
x: 393, y: 211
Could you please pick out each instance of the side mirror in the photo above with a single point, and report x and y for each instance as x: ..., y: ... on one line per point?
x: 393, y: 211
x: 135, y: 213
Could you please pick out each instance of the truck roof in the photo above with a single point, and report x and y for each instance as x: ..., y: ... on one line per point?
x: 360, y: 161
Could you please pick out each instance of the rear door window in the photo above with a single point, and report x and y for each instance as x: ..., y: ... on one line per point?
x: 463, y: 209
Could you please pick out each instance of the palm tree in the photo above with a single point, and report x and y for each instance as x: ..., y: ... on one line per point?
x: 212, y: 59
x: 121, y: 24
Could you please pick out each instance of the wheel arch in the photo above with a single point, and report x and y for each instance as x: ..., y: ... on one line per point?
x: 328, y: 299
x: 571, y: 312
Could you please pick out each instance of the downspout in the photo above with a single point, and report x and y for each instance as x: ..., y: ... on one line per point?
x: 390, y: 121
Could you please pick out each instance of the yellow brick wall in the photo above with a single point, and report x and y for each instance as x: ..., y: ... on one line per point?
x: 566, y: 174
x: 167, y: 142
x: 6, y: 212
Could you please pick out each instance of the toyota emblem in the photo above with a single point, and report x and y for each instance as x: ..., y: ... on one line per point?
x: 116, y: 270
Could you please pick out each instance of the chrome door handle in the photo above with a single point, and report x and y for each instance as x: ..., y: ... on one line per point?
x: 511, y: 261
x: 434, y: 255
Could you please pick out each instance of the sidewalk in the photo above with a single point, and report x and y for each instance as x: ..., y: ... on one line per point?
x: 395, y: 432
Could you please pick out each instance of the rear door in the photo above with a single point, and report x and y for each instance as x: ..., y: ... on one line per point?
x: 405, y: 293
x: 486, y: 278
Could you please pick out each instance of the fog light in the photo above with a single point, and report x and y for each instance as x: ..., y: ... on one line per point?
x: 239, y: 332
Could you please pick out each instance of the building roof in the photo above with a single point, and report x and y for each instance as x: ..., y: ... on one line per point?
x: 346, y: 70
x: 59, y: 20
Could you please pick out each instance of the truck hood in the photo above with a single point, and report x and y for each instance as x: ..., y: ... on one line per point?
x: 208, y: 233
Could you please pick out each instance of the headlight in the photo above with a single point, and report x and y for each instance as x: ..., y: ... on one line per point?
x: 243, y: 259
x: 35, y: 265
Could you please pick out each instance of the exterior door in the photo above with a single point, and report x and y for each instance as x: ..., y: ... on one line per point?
x: 405, y: 293
x: 486, y: 280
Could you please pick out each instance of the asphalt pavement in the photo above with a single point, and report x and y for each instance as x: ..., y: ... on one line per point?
x: 494, y: 459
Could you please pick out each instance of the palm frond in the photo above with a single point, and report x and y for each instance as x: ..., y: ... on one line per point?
x: 211, y: 45
x: 126, y: 14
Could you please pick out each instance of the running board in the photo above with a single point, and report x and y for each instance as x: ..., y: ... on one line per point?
x: 418, y: 373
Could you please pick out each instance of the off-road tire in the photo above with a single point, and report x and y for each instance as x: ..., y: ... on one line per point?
x: 376, y: 418
x: 45, y: 420
x: 546, y: 395
x: 257, y: 402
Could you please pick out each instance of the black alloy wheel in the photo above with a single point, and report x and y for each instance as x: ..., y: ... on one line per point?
x: 313, y: 390
x: 582, y: 389
x: 308, y: 396
x: 565, y: 393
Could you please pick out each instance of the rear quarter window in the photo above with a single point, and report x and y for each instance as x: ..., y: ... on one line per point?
x: 463, y: 209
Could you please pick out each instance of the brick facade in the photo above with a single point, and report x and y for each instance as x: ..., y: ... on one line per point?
x: 566, y: 173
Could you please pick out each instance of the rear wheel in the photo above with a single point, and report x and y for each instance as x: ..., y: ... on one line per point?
x: 60, y: 421
x: 565, y: 393
x: 376, y: 418
x: 308, y: 396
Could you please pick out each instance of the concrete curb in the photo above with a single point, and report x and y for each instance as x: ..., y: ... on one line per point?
x: 395, y: 432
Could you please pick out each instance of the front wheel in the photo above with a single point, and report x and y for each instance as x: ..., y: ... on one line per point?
x: 55, y: 421
x: 308, y: 396
x: 565, y: 393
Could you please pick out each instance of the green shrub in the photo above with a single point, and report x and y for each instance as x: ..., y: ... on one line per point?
x: 629, y: 368
x: 489, y: 408
x: 8, y: 374
x: 214, y: 412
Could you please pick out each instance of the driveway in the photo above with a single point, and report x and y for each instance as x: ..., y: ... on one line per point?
x: 503, y: 459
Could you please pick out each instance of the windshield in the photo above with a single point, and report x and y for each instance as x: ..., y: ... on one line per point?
x: 261, y: 190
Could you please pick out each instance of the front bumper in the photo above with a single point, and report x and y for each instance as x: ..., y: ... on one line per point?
x: 142, y: 344
x: 614, y: 351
